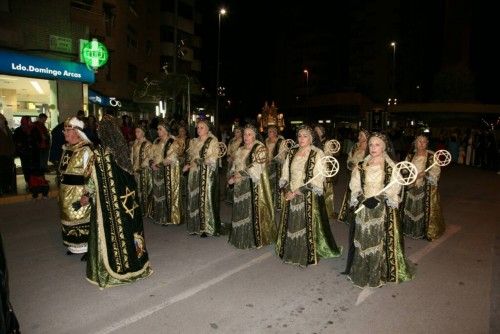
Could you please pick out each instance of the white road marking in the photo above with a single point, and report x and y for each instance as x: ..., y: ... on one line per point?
x: 417, y: 256
x: 183, y: 295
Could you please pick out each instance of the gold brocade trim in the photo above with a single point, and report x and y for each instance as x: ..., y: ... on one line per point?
x: 113, y: 206
x: 311, y: 242
x: 103, y: 247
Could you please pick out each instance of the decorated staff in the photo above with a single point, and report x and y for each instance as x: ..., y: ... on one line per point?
x: 421, y: 205
x: 329, y: 167
x: 379, y: 253
x: 285, y: 147
x: 304, y: 233
x: 253, y: 212
x: 441, y: 158
x: 330, y: 148
x: 405, y: 173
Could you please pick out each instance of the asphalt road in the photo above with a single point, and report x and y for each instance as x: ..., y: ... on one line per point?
x: 207, y: 286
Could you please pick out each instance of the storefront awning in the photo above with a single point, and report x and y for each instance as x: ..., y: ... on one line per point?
x: 25, y: 65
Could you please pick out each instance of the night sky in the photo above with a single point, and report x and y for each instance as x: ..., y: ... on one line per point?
x: 254, y: 68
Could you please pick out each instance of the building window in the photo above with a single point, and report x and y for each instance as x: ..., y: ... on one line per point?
x: 166, y: 33
x: 132, y: 5
x: 148, y: 48
x: 83, y: 4
x: 108, y: 69
x: 5, y: 6
x: 166, y: 60
x: 185, y: 10
x: 132, y: 72
x: 132, y: 37
x: 167, y: 6
x: 109, y: 17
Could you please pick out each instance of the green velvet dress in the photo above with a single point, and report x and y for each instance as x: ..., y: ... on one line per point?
x: 421, y: 206
x: 304, y: 234
x: 166, y: 183
x: 203, y: 181
x: 276, y: 157
x: 379, y: 255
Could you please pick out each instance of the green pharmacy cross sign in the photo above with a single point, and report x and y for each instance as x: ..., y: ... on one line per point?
x: 94, y: 54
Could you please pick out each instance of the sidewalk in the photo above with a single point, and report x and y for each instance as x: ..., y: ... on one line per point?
x: 24, y: 195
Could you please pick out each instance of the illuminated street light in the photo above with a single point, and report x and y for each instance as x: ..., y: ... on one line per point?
x: 222, y: 12
x: 393, y: 45
x: 306, y: 72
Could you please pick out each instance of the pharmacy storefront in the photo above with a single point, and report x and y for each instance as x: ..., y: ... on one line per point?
x: 31, y: 85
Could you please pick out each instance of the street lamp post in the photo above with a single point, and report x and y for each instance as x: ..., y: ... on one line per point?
x: 222, y: 12
x: 393, y: 44
x: 306, y: 72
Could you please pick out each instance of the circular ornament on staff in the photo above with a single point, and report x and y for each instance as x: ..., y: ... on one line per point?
x: 260, y: 155
x: 332, y: 147
x: 441, y: 158
x: 405, y: 174
x: 222, y: 149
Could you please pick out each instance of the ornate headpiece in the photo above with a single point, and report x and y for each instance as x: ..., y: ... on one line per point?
x: 306, y: 128
x: 78, y: 125
x: 163, y: 125
x: 251, y: 127
x: 111, y: 138
x: 380, y: 136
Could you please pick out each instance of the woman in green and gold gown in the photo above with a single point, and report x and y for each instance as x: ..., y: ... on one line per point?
x: 276, y: 147
x: 166, y: 178
x: 139, y: 156
x: 421, y: 206
x: 253, y: 212
x: 346, y: 214
x: 379, y: 255
x: 117, y: 251
x: 203, y: 181
x: 233, y: 146
x: 304, y: 234
x: 329, y: 193
x: 182, y: 142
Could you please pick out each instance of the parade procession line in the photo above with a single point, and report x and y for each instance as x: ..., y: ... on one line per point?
x: 451, y: 230
x: 183, y: 295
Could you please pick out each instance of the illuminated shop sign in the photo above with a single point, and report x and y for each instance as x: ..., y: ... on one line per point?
x: 37, y: 67
x: 103, y: 100
x: 94, y: 54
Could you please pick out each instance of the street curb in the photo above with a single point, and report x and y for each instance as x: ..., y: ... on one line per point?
x: 25, y: 197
